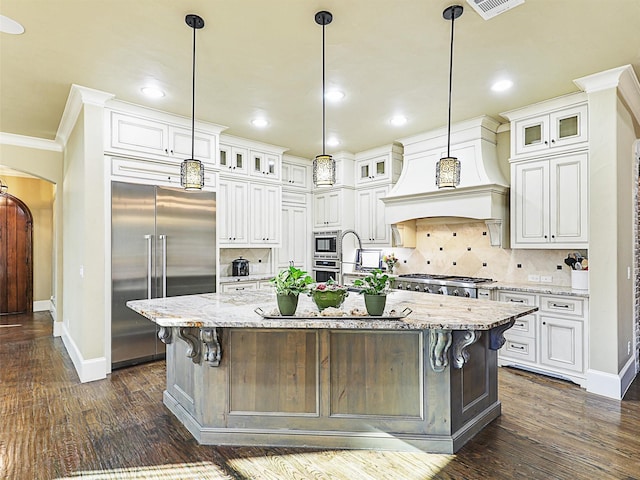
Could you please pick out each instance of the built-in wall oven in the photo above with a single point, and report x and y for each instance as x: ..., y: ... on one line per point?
x: 326, y: 255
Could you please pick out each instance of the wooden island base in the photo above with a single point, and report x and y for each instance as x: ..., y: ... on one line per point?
x: 329, y: 388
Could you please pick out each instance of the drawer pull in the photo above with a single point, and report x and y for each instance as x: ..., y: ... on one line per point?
x: 560, y: 305
x: 239, y: 288
x: 515, y: 300
x: 519, y: 324
x: 517, y: 347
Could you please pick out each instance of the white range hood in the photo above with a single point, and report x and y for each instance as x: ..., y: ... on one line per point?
x: 483, y: 193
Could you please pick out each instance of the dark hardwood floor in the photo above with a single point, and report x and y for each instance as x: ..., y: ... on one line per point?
x: 53, y: 427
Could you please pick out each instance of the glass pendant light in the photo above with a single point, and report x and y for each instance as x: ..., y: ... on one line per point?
x: 448, y: 168
x: 192, y: 170
x: 324, y: 166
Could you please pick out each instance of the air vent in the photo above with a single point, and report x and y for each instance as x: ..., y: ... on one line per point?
x: 490, y: 8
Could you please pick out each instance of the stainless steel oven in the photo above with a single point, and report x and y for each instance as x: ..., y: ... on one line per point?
x: 326, y: 244
x: 324, y: 269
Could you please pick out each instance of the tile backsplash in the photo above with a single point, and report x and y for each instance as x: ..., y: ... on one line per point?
x: 464, y: 249
x: 259, y: 260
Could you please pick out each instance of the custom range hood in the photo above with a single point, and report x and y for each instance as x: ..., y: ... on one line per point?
x: 483, y: 193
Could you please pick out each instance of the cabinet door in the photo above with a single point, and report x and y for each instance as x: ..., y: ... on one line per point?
x: 327, y: 207
x: 568, y: 127
x: 364, y: 206
x: 532, y: 134
x: 204, y: 145
x: 265, y: 214
x: 294, y: 237
x: 561, y: 343
x: 232, y: 212
x: 530, y: 203
x: 372, y: 170
x: 233, y: 159
x: 294, y: 175
x: 139, y: 134
x: 568, y: 202
x: 265, y: 165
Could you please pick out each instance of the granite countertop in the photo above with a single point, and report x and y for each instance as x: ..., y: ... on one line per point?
x: 536, y: 288
x: 234, y: 310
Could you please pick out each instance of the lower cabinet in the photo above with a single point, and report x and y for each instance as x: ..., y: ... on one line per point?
x: 238, y: 286
x: 551, y: 341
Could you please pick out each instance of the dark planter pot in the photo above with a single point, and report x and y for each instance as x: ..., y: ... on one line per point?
x: 375, y: 304
x: 287, y: 304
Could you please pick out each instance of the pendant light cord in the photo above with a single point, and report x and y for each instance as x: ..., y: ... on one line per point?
x: 193, y: 92
x: 323, y: 98
x: 453, y: 18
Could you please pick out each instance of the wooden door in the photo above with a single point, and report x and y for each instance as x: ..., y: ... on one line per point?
x: 16, y: 253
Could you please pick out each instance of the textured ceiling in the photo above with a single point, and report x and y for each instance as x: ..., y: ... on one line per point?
x: 264, y: 57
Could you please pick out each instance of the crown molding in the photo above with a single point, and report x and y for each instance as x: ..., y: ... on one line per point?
x: 30, y: 142
x: 78, y: 96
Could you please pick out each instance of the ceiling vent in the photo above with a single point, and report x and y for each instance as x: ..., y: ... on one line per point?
x: 490, y: 8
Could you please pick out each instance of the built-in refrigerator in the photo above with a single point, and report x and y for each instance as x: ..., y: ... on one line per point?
x: 163, y: 244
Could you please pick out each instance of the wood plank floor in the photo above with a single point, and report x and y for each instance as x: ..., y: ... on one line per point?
x: 53, y: 427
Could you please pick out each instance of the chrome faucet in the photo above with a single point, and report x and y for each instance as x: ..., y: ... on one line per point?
x: 344, y: 233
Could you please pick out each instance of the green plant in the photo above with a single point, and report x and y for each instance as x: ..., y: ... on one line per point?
x: 292, y: 281
x: 376, y: 283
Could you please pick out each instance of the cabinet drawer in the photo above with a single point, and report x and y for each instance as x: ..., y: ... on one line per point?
x: 562, y: 305
x: 524, y: 326
x: 513, y: 297
x: 238, y: 286
x: 519, y: 348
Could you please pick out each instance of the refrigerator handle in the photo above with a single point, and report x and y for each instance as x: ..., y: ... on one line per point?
x: 163, y: 238
x: 149, y: 238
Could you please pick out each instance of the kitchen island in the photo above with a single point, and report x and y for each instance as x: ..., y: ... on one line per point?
x: 426, y: 381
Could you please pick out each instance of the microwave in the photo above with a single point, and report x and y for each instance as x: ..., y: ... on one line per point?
x: 326, y: 244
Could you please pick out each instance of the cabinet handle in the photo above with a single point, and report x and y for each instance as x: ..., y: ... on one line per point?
x: 546, y: 143
x: 519, y: 324
x: 166, y: 151
x: 545, y: 236
x: 544, y: 323
x: 239, y: 288
x: 515, y: 300
x: 560, y: 305
x: 171, y: 152
x: 553, y: 236
x: 517, y: 347
x: 553, y: 141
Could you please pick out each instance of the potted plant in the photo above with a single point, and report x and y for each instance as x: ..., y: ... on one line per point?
x: 374, y: 287
x: 328, y: 294
x: 290, y: 283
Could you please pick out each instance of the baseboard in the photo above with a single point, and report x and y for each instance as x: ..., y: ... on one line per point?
x: 58, y: 329
x: 611, y: 385
x: 87, y: 370
x: 41, y: 305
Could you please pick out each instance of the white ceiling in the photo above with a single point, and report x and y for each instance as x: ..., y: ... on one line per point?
x: 258, y: 57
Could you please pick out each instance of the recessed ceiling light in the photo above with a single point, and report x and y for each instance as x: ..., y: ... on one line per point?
x: 334, y: 95
x: 7, y: 25
x: 152, y: 92
x: 259, y: 122
x: 333, y: 142
x: 398, y: 120
x: 502, y: 85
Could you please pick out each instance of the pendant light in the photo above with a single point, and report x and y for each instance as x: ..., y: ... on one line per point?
x: 192, y: 170
x: 448, y: 168
x: 324, y: 166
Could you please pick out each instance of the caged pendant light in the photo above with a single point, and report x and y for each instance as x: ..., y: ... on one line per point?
x: 192, y: 170
x: 448, y: 168
x: 324, y: 166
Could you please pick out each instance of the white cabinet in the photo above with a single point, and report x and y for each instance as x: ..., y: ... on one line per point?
x: 372, y: 170
x: 549, y: 200
x: 370, y: 216
x: 378, y: 165
x: 233, y: 159
x: 239, y: 286
x: 265, y: 165
x: 294, y: 175
x: 266, y: 205
x: 295, y: 237
x: 553, y: 340
x: 154, y: 173
x: 232, y: 212
x: 138, y: 135
x: 327, y: 208
x: 551, y: 131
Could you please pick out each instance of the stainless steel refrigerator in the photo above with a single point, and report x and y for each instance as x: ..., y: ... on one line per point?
x: 163, y: 244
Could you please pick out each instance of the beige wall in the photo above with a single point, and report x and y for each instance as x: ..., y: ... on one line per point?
x: 47, y: 165
x: 38, y: 195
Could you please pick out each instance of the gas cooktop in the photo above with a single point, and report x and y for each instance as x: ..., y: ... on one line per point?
x: 442, y: 284
x: 449, y: 278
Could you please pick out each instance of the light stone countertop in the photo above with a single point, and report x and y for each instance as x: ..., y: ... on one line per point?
x: 539, y: 288
x: 237, y: 311
x: 247, y: 278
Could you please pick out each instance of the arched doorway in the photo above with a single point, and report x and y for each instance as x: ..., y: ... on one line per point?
x: 16, y: 256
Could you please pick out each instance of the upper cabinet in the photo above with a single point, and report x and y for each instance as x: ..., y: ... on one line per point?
x: 370, y: 216
x: 233, y: 159
x: 265, y: 165
x: 549, y: 174
x: 550, y: 127
x: 379, y: 165
x: 140, y: 136
x: 242, y: 157
x: 296, y: 173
